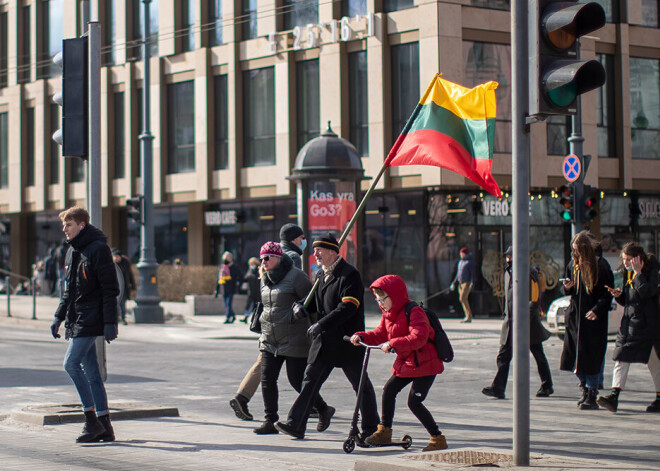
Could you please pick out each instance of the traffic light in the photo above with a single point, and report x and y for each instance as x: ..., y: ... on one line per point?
x: 566, y: 200
x: 73, y: 99
x: 557, y: 76
x: 589, y: 203
x: 134, y: 207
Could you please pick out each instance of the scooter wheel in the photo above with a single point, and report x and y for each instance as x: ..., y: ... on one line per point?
x: 407, y: 441
x: 349, y: 445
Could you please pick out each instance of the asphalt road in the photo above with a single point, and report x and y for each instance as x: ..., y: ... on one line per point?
x: 197, y: 367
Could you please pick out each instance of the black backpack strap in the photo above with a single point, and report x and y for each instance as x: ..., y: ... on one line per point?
x: 409, y: 308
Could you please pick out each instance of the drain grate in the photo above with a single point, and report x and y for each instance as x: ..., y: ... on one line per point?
x: 469, y: 457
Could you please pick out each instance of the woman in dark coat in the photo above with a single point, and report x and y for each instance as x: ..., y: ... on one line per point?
x: 253, y: 293
x: 585, y: 340
x: 639, y: 325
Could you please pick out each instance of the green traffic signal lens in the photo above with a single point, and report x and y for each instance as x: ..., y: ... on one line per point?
x: 566, y: 215
x: 564, y: 95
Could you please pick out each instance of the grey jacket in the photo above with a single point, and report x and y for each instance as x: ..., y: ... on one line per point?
x: 280, y: 288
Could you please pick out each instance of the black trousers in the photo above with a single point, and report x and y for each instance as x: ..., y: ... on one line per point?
x: 504, y: 357
x: 315, y: 375
x: 418, y: 392
x: 271, y: 366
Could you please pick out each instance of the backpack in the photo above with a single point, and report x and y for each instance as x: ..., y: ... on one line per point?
x: 441, y: 341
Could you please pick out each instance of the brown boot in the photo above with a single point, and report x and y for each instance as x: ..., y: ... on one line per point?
x: 382, y: 436
x: 437, y: 442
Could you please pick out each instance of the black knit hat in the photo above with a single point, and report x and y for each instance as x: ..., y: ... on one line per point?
x: 290, y: 231
x: 327, y: 242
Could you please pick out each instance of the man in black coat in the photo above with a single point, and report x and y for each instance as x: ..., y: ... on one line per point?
x: 537, y: 335
x: 340, y: 311
x: 124, y: 265
x: 88, y: 307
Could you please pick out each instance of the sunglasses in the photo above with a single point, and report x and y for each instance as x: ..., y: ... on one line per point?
x: 265, y: 259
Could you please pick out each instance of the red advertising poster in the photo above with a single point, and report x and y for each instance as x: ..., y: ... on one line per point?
x: 330, y: 207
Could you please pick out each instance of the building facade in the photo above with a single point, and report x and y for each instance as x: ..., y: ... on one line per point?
x: 238, y: 87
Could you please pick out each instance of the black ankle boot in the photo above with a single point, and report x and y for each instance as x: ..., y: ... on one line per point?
x: 583, y: 390
x: 590, y: 402
x: 109, y: 434
x: 92, y: 428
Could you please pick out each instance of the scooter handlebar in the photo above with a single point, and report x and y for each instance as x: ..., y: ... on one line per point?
x: 348, y: 339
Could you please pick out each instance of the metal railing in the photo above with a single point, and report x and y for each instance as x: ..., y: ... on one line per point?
x: 33, y: 289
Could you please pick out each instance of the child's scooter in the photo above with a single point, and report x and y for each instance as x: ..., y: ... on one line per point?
x: 354, y: 436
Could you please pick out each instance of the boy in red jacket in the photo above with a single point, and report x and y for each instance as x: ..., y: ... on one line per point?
x: 416, y: 361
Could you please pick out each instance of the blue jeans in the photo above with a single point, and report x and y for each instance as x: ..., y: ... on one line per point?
x: 82, y: 366
x: 229, y: 311
x: 591, y: 381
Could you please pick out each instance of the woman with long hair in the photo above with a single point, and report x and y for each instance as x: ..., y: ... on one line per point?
x: 585, y: 340
x: 637, y: 340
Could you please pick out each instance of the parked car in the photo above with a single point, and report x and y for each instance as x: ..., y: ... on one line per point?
x: 556, y: 316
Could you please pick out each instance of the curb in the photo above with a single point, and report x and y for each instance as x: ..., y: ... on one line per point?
x: 53, y: 414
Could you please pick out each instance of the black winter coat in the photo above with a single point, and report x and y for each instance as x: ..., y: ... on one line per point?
x: 340, y: 308
x: 253, y: 285
x: 640, y: 321
x: 537, y: 333
x: 293, y: 251
x: 88, y: 264
x: 585, y: 341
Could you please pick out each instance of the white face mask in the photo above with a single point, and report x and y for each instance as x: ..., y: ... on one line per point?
x: 303, y: 244
x: 629, y: 267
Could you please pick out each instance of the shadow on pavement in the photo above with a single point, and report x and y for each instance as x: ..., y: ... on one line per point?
x: 22, y: 377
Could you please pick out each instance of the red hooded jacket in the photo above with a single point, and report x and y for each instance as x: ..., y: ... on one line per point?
x: 413, y: 341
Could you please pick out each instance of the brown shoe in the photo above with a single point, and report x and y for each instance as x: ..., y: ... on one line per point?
x: 436, y: 442
x: 382, y: 436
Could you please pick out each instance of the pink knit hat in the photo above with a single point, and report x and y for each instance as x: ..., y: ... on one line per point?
x: 270, y: 249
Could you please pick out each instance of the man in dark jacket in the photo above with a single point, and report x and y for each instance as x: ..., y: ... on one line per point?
x: 340, y: 311
x: 88, y: 307
x: 229, y: 277
x: 124, y: 265
x: 292, y: 240
x: 537, y: 335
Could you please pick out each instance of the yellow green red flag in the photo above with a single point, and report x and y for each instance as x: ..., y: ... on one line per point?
x: 452, y: 127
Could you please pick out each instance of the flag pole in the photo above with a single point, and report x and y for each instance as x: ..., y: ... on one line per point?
x: 367, y: 195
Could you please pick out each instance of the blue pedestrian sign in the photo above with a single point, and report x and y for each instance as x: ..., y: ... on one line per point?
x: 571, y: 168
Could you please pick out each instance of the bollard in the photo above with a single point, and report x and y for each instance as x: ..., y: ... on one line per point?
x: 8, y: 288
x: 34, y: 299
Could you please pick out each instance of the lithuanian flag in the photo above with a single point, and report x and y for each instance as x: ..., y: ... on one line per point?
x: 452, y: 127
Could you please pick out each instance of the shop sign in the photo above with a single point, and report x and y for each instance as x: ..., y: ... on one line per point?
x: 220, y: 218
x: 649, y: 208
x: 330, y: 206
x: 314, y: 35
x: 493, y: 207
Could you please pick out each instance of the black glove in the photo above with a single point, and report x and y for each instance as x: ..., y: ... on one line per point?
x: 299, y: 311
x: 55, y: 327
x: 110, y: 332
x: 314, y: 330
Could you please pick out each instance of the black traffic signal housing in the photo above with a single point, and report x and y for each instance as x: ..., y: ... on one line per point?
x: 134, y: 207
x: 589, y: 203
x: 567, y: 202
x: 73, y: 98
x: 557, y: 76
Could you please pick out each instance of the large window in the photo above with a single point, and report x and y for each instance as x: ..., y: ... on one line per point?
x: 187, y: 25
x: 558, y: 130
x: 4, y: 150
x: 220, y: 114
x: 494, y: 4
x: 484, y: 62
x: 77, y: 169
x: 109, y: 33
x: 358, y: 103
x: 120, y: 135
x: 26, y: 44
x: 55, y: 148
x: 259, y: 117
x: 644, y: 106
x: 300, y: 13
x: 4, y: 71
x: 611, y: 8
x: 29, y: 147
x: 215, y: 22
x: 405, y: 84
x: 51, y: 14
x: 308, y: 101
x: 647, y: 15
x: 605, y: 113
x: 249, y: 19
x: 353, y: 8
x: 181, y: 127
x: 395, y: 5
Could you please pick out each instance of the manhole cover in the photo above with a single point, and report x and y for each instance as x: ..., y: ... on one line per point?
x: 470, y: 457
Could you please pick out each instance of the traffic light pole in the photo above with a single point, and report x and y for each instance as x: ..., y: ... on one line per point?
x: 575, y: 147
x: 147, y: 309
x: 520, y: 195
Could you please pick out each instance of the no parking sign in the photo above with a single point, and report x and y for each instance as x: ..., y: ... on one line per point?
x: 571, y: 168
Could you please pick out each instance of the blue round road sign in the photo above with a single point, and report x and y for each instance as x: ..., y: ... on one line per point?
x: 571, y: 168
